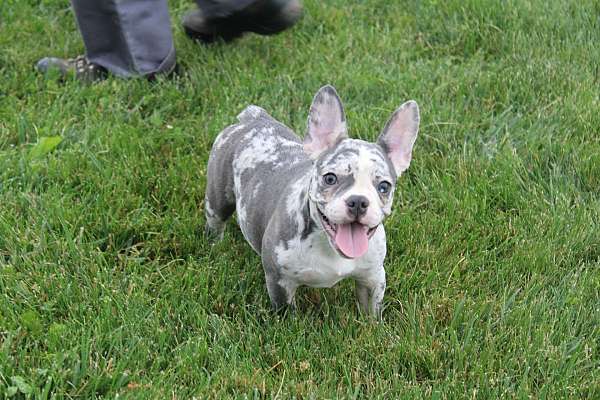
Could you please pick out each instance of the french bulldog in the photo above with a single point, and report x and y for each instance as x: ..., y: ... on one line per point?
x: 313, y: 209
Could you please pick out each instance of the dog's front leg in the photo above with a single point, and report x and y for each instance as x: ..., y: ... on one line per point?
x: 362, y: 296
x: 376, y: 301
x: 281, y: 293
x: 369, y: 293
x: 281, y: 290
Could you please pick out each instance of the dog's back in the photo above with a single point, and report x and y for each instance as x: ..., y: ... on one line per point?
x: 251, y: 164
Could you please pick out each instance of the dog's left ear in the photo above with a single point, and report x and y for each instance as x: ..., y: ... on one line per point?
x: 399, y: 135
x: 326, y: 122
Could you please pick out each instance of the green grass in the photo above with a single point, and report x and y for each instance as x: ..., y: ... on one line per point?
x: 108, y: 288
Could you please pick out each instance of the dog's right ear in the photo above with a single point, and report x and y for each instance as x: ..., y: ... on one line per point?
x: 326, y: 122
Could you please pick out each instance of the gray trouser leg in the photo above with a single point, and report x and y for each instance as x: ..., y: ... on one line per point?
x: 127, y: 37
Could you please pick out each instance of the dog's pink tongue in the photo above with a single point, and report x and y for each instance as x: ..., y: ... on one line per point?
x: 352, y: 239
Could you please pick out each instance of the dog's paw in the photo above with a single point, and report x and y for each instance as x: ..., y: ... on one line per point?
x: 213, y: 235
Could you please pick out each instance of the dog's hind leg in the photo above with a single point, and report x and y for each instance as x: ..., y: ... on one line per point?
x: 219, y: 200
x: 215, y: 219
x: 219, y: 204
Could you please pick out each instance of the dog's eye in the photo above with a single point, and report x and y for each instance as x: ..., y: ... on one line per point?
x: 384, y: 187
x: 330, y: 179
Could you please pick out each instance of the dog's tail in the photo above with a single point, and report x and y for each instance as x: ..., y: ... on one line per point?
x: 252, y: 112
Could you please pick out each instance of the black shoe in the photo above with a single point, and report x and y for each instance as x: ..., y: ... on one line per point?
x: 269, y: 17
x: 198, y: 27
x: 80, y: 67
x: 265, y: 17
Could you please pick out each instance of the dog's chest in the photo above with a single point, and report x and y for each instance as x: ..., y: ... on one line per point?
x: 312, y: 262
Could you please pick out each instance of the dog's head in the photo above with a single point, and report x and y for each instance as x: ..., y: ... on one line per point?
x: 352, y: 189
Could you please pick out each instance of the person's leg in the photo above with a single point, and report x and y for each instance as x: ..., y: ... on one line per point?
x: 229, y: 19
x: 125, y: 37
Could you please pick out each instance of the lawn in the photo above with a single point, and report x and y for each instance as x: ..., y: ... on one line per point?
x: 108, y: 287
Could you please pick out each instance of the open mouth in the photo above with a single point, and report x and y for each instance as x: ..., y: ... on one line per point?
x: 350, y: 239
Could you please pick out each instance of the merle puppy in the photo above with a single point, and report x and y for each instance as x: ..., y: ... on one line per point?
x: 312, y: 209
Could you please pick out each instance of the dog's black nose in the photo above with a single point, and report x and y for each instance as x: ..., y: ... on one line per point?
x: 357, y: 205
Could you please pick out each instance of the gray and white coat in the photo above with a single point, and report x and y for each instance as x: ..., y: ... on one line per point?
x: 313, y: 208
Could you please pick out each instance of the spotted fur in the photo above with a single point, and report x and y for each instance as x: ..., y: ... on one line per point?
x: 274, y: 181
